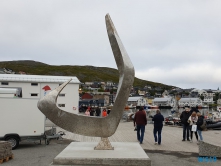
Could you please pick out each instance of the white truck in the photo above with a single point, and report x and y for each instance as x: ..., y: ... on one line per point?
x: 20, y: 119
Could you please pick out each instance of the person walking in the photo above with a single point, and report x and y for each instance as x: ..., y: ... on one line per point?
x: 158, y: 125
x: 98, y: 111
x: 199, y: 123
x: 104, y: 113
x: 140, y: 121
x: 184, y: 118
x: 92, y: 112
x: 87, y: 112
x: 192, y: 121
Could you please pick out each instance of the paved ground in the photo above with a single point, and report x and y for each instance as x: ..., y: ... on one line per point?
x: 172, y: 152
x: 29, y: 154
x: 171, y: 138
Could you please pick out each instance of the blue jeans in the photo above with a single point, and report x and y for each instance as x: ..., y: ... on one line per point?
x: 200, y: 134
x: 157, y: 131
x: 186, y: 132
x: 140, y: 132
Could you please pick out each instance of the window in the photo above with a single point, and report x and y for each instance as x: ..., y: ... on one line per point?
x: 34, y: 84
x: 4, y: 83
x: 61, y: 95
x: 34, y: 94
x: 61, y: 105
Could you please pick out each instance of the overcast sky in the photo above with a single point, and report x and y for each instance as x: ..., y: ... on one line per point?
x: 174, y: 42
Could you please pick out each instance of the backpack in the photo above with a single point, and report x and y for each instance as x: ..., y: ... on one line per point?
x: 203, y: 126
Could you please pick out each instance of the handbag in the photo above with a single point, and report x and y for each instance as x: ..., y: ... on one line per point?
x: 194, y: 128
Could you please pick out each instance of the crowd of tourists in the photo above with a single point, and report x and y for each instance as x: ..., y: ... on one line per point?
x: 192, y: 120
x: 140, y: 121
x: 97, y: 112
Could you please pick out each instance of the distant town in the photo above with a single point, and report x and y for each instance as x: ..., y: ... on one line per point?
x: 103, y: 94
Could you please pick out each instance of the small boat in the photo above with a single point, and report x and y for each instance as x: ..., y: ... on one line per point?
x: 214, y: 125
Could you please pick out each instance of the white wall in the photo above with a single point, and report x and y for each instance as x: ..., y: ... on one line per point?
x: 21, y: 116
x: 71, y: 98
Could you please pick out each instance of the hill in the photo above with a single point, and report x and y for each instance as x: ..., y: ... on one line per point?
x: 83, y: 73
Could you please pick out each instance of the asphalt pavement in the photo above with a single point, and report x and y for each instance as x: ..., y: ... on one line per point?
x: 31, y: 154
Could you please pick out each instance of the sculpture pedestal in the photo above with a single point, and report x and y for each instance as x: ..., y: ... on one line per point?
x: 83, y: 153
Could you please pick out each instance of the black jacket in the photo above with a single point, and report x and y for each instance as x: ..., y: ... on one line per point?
x: 200, y: 122
x: 184, y: 117
x: 158, y: 121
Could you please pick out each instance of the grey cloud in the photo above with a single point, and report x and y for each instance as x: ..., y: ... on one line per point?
x: 164, y: 35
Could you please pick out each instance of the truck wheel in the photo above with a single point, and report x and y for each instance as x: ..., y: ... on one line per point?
x: 13, y: 140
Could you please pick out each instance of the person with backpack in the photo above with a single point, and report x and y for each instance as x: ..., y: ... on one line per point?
x: 201, y: 125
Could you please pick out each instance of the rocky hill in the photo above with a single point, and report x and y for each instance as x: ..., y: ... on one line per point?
x: 83, y: 73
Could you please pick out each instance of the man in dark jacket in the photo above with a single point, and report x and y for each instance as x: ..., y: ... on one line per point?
x: 140, y: 120
x: 184, y: 118
x: 158, y: 125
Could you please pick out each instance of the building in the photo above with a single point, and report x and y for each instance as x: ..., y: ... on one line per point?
x: 106, y: 98
x: 192, y: 102
x: 37, y: 86
x: 207, y: 95
x: 91, y: 103
x: 86, y: 96
x: 137, y: 101
x: 164, y: 102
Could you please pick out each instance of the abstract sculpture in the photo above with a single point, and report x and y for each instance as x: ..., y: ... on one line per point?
x: 95, y: 126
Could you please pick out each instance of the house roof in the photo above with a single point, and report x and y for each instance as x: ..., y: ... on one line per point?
x: 162, y: 99
x: 38, y: 78
x: 188, y: 99
x: 134, y: 98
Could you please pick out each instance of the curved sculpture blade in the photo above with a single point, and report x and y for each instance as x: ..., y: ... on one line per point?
x: 95, y: 126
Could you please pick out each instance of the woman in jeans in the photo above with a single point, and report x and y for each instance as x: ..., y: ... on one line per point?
x: 192, y: 121
x: 199, y: 123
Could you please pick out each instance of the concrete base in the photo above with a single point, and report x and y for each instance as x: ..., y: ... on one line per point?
x: 208, y: 149
x: 83, y: 153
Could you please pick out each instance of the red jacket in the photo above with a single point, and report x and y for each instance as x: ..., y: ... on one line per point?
x: 104, y: 113
x: 140, y: 118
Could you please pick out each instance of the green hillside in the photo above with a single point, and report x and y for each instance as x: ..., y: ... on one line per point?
x: 83, y: 73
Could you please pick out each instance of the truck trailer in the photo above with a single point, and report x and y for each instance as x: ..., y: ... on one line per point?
x: 20, y: 119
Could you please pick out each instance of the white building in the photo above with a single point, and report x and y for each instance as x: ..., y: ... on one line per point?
x: 219, y: 101
x: 207, y: 94
x: 192, y: 102
x: 137, y: 101
x: 164, y: 101
x: 37, y: 86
